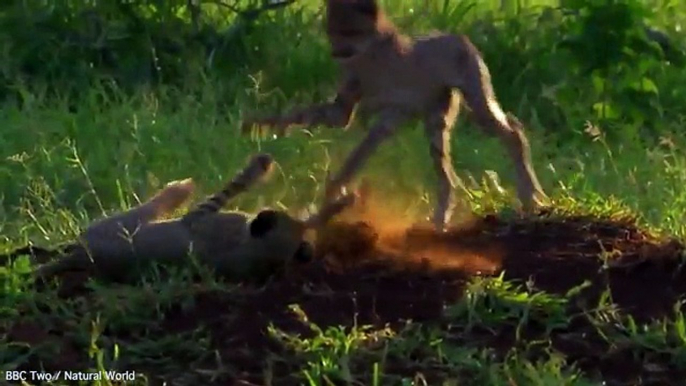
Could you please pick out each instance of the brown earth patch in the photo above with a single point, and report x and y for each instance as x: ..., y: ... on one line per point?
x: 377, y: 271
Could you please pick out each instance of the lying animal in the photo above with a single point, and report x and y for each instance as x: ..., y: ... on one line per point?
x: 398, y: 78
x: 236, y: 245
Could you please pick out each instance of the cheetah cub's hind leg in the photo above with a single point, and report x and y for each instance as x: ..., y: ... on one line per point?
x: 471, y: 76
x: 174, y: 195
x: 168, y: 199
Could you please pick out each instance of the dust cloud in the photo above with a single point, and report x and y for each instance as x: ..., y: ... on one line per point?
x: 375, y: 230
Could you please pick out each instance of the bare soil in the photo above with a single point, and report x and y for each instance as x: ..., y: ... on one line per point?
x: 373, y: 273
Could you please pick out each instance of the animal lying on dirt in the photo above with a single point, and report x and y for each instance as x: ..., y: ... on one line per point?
x: 236, y: 245
x: 399, y: 79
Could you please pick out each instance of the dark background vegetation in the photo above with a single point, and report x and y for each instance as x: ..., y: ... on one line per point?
x: 63, y: 47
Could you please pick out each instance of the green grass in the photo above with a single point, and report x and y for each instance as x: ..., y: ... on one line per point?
x: 62, y: 167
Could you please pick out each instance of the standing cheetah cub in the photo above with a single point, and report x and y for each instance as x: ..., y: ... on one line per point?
x: 398, y: 78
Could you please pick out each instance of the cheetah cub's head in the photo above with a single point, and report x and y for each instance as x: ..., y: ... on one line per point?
x: 284, y: 236
x: 352, y: 26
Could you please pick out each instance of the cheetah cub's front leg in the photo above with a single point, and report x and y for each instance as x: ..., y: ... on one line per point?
x: 337, y: 113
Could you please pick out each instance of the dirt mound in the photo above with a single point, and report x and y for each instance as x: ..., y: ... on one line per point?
x: 390, y: 276
x: 556, y: 253
x: 376, y: 273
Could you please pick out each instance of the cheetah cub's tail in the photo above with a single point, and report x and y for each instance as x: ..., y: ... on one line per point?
x: 258, y: 169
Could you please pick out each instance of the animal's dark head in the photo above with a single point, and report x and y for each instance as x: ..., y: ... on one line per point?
x: 263, y: 223
x: 281, y: 236
x: 281, y: 233
x: 305, y: 253
x: 352, y: 25
x: 351, y: 9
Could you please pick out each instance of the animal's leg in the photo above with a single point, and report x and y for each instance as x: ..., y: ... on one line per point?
x: 439, y: 124
x: 170, y: 198
x: 330, y: 210
x: 164, y: 202
x: 337, y: 113
x: 474, y: 81
x: 106, y: 233
x: 386, y: 125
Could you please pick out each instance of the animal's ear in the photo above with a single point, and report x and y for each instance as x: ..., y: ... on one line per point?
x: 367, y: 7
x: 305, y: 253
x: 264, y: 222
